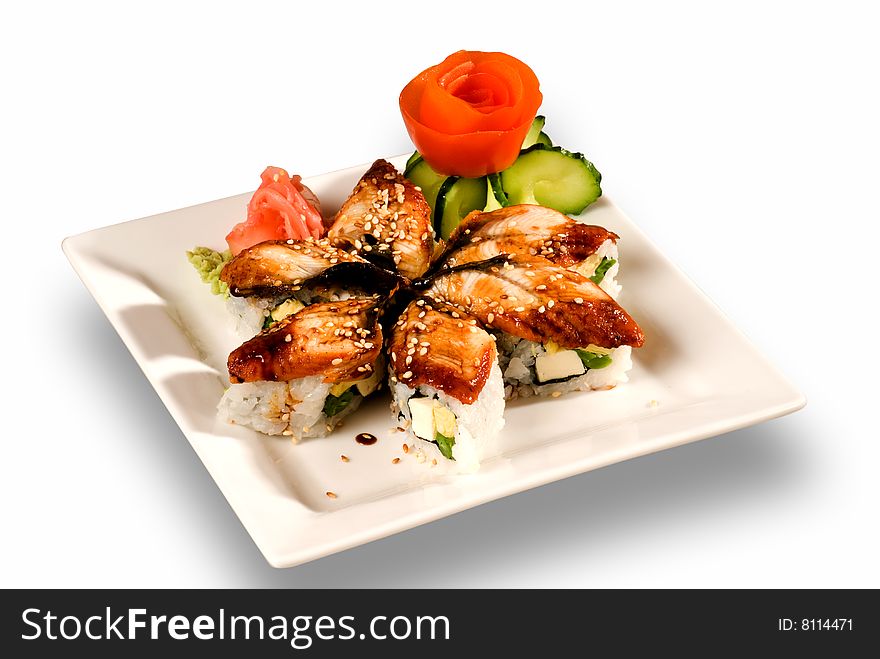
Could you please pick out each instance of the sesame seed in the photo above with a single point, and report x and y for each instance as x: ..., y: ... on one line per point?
x: 288, y: 338
x: 423, y: 351
x: 406, y: 448
x: 519, y: 309
x: 331, y: 495
x: 490, y: 317
x: 550, y: 304
x: 556, y: 394
x: 542, y: 309
x: 344, y: 458
x: 337, y: 361
x: 407, y: 375
x: 579, y: 300
x: 395, y: 461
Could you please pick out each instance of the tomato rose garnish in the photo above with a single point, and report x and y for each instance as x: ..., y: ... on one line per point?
x: 282, y: 208
x: 468, y: 115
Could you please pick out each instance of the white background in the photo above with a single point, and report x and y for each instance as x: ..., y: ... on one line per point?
x: 744, y: 140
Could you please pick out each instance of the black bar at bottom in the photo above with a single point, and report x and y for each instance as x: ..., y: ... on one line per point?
x: 270, y: 623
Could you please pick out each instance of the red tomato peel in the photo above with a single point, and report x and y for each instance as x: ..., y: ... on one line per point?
x: 469, y: 115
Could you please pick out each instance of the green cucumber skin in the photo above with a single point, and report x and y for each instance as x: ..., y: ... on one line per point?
x: 603, y: 267
x: 440, y: 205
x: 534, y: 131
x: 415, y: 158
x: 420, y: 174
x: 514, y: 180
x: 497, y: 190
x: 446, y: 217
x: 570, y: 189
x: 445, y: 445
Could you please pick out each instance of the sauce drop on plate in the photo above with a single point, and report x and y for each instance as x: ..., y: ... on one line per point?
x: 365, y: 439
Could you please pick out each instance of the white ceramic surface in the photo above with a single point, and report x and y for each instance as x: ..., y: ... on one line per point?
x: 696, y: 377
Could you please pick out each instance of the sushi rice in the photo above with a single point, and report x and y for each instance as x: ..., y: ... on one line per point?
x: 517, y: 358
x: 294, y: 408
x: 477, y: 425
x: 587, y: 267
x: 250, y: 313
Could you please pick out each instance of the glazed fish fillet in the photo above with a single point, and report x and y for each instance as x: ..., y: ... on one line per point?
x: 276, y: 267
x: 531, y: 298
x: 525, y: 229
x: 437, y: 345
x: 387, y: 220
x: 338, y: 340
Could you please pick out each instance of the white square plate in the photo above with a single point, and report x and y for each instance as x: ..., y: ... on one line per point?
x: 696, y: 377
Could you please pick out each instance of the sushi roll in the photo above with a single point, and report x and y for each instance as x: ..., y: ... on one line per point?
x: 305, y: 374
x: 274, y: 279
x: 556, y: 330
x: 386, y: 220
x: 446, y: 383
x: 537, y: 231
x: 546, y: 369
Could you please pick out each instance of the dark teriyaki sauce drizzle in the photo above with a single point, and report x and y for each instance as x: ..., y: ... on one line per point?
x: 365, y: 439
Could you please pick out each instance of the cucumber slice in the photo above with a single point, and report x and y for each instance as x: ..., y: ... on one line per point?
x: 553, y: 177
x: 457, y: 197
x: 536, y: 134
x: 495, y: 197
x: 420, y: 173
x: 492, y: 204
x: 534, y: 131
x: 412, y: 160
